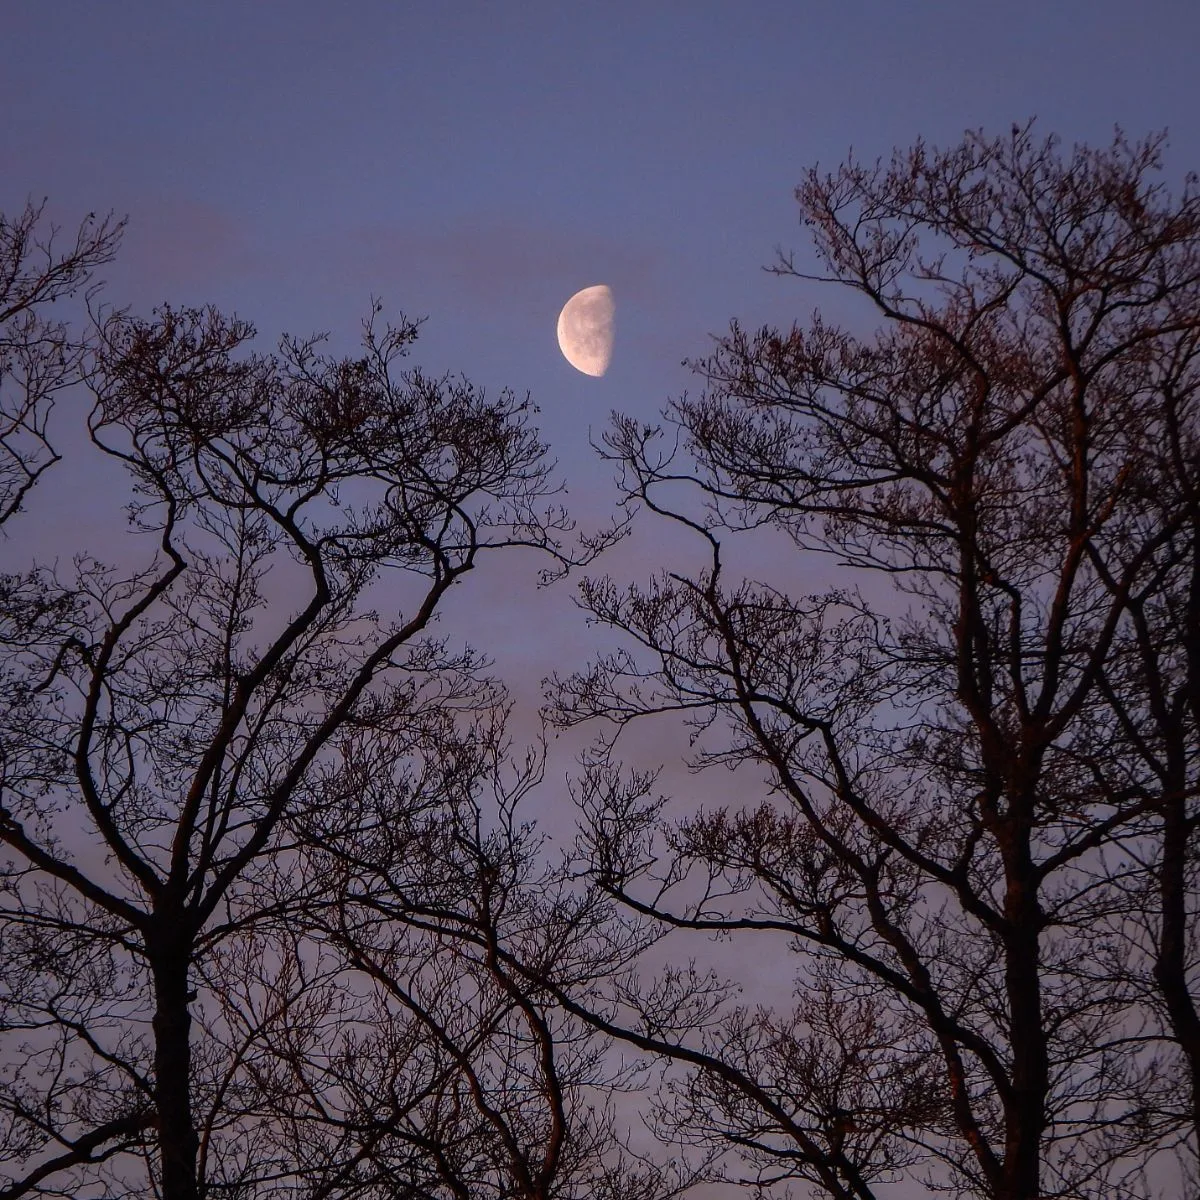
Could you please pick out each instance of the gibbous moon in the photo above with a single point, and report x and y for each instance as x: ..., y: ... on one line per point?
x: 585, y: 329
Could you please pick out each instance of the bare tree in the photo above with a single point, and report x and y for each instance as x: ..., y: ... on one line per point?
x: 167, y: 727
x: 38, y: 356
x: 432, y: 1067
x: 1153, y: 689
x: 980, y: 767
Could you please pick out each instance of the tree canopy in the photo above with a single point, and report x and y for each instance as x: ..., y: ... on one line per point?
x: 273, y: 918
x: 976, y: 833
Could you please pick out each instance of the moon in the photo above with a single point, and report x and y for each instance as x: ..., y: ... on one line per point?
x: 585, y: 329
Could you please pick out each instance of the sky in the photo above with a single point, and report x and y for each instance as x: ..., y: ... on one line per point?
x: 478, y: 163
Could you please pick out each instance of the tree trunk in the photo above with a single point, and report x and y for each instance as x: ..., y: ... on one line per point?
x: 1170, y: 967
x: 1025, y: 1117
x: 177, y: 1138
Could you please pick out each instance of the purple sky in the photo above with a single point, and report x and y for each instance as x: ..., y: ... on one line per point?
x: 480, y: 162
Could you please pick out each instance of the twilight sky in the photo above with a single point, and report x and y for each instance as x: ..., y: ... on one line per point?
x: 480, y: 162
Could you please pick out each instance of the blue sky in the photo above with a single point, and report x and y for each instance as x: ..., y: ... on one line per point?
x: 480, y: 162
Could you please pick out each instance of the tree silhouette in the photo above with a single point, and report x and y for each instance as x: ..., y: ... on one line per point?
x: 461, y: 1074
x: 271, y: 920
x: 171, y: 730
x: 38, y: 358
x: 977, y: 828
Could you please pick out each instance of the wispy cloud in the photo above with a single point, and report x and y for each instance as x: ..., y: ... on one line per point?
x: 175, y: 244
x: 505, y: 262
